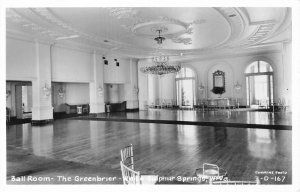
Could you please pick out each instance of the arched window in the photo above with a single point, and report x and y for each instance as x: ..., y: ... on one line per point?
x: 259, y: 82
x: 185, y: 87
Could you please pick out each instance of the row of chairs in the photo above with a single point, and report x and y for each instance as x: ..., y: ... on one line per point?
x: 274, y: 105
x: 203, y: 104
x: 133, y: 177
x: 211, y: 104
x: 160, y: 103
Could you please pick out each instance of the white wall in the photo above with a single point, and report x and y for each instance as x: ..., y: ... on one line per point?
x: 114, y: 93
x: 77, y: 93
x: 20, y: 60
x: 116, y: 74
x: 234, y: 68
x: 71, y: 65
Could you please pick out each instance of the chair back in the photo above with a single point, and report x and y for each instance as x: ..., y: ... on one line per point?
x: 130, y: 177
x: 127, y: 156
x: 210, y: 169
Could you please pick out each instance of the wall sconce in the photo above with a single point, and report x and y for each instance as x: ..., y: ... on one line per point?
x: 46, y: 90
x: 8, y: 92
x: 237, y: 87
x: 100, y: 90
x: 201, y: 88
x: 135, y: 90
x: 61, y: 92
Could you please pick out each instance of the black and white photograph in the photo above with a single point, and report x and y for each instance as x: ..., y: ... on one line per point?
x: 159, y: 96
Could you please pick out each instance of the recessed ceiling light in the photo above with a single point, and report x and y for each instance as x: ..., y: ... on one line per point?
x: 232, y: 15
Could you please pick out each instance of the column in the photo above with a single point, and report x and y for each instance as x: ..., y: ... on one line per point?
x: 96, y: 86
x: 42, y: 110
x: 132, y: 87
x: 143, y: 95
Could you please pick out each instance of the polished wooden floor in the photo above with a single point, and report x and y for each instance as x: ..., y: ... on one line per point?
x: 221, y: 118
x: 163, y: 149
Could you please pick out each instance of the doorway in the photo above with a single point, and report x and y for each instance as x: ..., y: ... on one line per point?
x: 185, y: 88
x: 19, y: 101
x: 259, y: 82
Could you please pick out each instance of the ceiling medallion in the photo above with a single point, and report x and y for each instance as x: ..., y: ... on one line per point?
x: 161, y: 66
x: 175, y: 28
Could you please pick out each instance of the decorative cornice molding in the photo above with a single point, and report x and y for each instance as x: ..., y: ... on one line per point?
x: 26, y: 23
x: 122, y: 12
x: 45, y: 20
x: 227, y: 55
x: 237, y: 24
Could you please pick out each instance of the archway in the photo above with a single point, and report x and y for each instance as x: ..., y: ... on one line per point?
x: 259, y: 82
x: 185, y: 87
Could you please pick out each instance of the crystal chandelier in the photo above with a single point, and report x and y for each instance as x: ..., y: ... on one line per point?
x: 160, y: 61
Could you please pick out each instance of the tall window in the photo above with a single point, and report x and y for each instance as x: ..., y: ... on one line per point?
x: 259, y: 81
x: 185, y: 87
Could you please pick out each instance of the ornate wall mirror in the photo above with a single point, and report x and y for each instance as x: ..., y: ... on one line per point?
x: 218, y: 82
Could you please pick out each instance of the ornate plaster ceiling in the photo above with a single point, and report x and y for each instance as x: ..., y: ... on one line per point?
x: 131, y: 31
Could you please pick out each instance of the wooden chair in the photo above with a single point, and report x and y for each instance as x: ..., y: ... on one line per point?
x: 169, y: 103
x: 127, y: 156
x: 263, y: 104
x: 256, y: 182
x: 212, y: 104
x: 210, y: 169
x: 132, y: 177
x: 152, y: 105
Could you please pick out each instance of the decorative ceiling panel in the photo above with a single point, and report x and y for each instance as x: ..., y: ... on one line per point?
x: 131, y: 31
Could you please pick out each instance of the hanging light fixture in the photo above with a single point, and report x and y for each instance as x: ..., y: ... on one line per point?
x: 237, y: 86
x: 160, y: 60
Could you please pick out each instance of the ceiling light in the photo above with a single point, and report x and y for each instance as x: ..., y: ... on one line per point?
x: 160, y: 61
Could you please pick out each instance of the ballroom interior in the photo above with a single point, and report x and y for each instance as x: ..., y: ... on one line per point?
x: 192, y: 95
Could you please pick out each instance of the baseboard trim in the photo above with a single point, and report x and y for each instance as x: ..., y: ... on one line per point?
x: 132, y: 110
x: 41, y: 122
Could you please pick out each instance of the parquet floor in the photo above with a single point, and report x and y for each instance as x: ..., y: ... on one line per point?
x: 163, y: 149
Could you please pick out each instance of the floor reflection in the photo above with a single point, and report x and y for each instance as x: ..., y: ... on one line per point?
x: 163, y: 149
x: 187, y: 135
x: 42, y: 140
x: 262, y: 143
